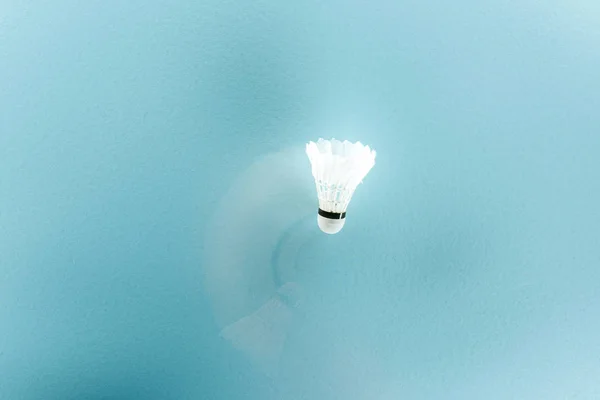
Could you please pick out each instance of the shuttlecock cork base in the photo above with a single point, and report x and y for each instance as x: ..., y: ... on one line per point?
x: 338, y: 168
x: 329, y: 222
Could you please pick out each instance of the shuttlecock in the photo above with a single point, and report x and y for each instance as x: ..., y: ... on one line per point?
x: 338, y: 168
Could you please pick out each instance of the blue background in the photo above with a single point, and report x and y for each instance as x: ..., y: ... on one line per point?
x: 151, y: 172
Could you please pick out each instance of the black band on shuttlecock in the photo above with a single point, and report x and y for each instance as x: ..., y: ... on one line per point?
x: 331, y: 215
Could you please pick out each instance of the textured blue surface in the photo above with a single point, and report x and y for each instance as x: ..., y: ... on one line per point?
x: 153, y: 192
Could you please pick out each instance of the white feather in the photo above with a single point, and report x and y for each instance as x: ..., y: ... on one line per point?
x: 338, y: 168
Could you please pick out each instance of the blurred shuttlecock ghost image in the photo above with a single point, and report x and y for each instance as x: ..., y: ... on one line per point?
x: 338, y: 168
x: 262, y: 334
x: 250, y: 260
